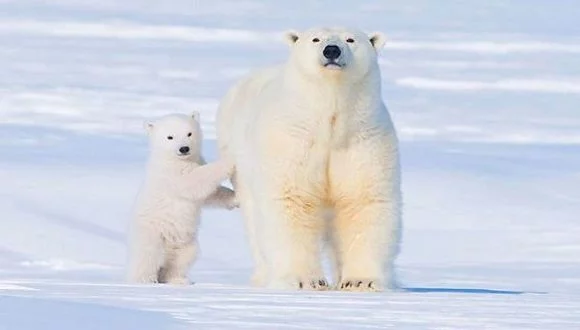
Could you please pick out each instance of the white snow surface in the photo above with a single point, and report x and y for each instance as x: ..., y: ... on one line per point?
x: 485, y: 97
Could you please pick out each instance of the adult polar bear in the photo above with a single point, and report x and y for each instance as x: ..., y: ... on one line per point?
x: 309, y: 136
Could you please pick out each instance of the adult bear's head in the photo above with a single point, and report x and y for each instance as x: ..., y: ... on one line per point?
x: 336, y: 52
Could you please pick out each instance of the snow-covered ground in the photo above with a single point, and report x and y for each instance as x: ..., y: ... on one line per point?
x: 485, y: 96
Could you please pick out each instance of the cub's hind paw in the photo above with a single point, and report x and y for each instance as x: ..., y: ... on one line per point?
x: 179, y: 281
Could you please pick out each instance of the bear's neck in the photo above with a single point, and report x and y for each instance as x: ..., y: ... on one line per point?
x: 159, y: 164
x: 339, y: 92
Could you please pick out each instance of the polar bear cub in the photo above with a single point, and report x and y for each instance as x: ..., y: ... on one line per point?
x: 163, y: 234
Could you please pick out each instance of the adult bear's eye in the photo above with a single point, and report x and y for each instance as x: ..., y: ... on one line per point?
x: 170, y: 137
x: 315, y: 40
x: 350, y: 40
x: 189, y: 134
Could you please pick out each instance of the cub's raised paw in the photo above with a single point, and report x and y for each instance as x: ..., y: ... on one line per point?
x: 233, y: 204
x: 360, y: 285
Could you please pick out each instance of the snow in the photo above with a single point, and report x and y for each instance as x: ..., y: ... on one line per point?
x: 531, y: 85
x: 484, y: 96
x: 121, y: 30
x: 51, y: 314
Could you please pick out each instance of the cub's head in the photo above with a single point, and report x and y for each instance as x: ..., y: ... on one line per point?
x: 334, y: 51
x: 175, y: 136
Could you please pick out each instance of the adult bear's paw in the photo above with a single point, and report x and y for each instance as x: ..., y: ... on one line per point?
x: 361, y: 285
x: 300, y: 283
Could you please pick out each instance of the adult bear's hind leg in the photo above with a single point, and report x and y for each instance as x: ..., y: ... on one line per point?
x: 248, y: 208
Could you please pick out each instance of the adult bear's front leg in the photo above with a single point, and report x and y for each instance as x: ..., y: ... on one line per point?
x: 293, y: 235
x: 366, y: 234
x: 366, y: 229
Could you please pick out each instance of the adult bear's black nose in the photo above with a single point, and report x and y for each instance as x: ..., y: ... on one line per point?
x: 331, y: 52
x: 184, y: 150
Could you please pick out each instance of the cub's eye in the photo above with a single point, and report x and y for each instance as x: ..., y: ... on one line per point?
x: 170, y: 137
x: 315, y: 40
x: 189, y: 134
x: 350, y: 40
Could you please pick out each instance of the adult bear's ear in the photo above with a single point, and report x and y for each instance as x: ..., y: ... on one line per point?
x: 196, y: 116
x: 148, y: 126
x: 291, y: 36
x: 377, y: 39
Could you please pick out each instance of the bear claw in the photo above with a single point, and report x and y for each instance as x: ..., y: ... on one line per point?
x: 320, y: 284
x: 360, y: 285
x: 300, y: 283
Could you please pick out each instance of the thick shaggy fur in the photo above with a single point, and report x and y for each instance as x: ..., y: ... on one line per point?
x: 317, y: 164
x: 163, y: 237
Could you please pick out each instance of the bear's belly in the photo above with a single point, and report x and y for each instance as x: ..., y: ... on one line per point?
x: 180, y: 221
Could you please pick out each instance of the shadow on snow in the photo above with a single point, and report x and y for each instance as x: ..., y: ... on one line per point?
x: 465, y: 290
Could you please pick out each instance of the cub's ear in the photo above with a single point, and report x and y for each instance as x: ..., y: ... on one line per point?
x: 377, y: 39
x: 148, y: 126
x: 196, y: 116
x: 291, y: 36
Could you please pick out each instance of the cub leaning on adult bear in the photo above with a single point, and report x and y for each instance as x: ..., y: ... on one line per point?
x: 310, y: 136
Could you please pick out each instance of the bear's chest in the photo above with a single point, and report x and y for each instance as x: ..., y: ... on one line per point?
x: 311, y: 135
x: 327, y: 132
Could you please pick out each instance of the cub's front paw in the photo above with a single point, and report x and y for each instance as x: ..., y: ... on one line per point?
x: 228, y: 165
x: 361, y: 285
x: 233, y: 203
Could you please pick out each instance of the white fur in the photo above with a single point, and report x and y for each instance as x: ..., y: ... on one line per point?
x: 308, y: 139
x: 163, y: 235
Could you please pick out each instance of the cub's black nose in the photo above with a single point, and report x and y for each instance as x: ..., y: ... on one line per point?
x: 331, y: 52
x: 184, y: 150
